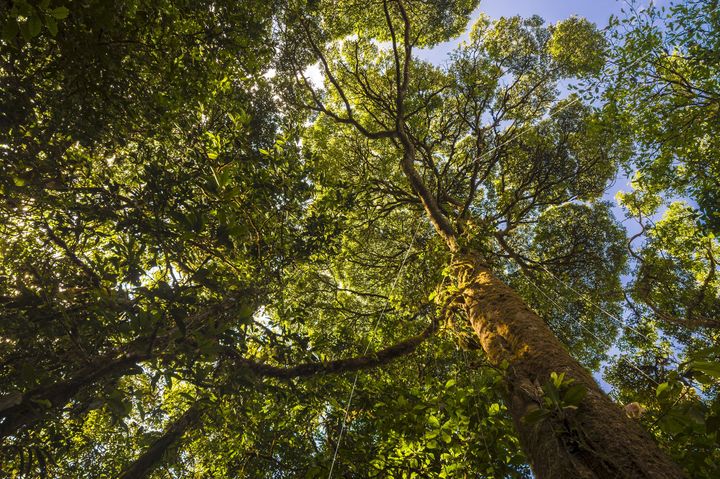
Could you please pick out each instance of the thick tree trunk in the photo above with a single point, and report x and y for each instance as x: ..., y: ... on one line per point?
x: 597, y: 440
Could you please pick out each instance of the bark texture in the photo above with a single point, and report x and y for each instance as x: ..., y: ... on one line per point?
x: 148, y: 460
x: 598, y: 440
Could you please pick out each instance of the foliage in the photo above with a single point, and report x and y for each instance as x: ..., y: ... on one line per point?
x: 195, y: 236
x: 665, y: 92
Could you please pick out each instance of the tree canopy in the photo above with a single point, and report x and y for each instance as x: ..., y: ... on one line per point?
x: 215, y: 264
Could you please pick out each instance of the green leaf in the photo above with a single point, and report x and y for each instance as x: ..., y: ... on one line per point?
x: 434, y: 421
x: 661, y: 389
x: 25, y: 31
x: 551, y: 391
x: 675, y: 422
x: 574, y: 395
x: 708, y: 367
x: 712, y: 424
x: 51, y: 25
x: 34, y: 25
x: 43, y: 402
x: 535, y: 416
x: 10, y: 30
x: 60, y: 12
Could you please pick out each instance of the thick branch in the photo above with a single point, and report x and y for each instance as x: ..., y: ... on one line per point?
x: 320, y: 107
x: 379, y: 358
x: 429, y: 201
x: 148, y: 460
x: 94, y: 278
x: 21, y: 410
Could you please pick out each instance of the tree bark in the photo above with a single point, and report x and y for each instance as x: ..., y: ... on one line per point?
x: 22, y: 410
x: 149, y: 459
x: 597, y: 440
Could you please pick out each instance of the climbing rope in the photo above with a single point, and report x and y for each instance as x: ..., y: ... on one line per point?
x: 367, y: 347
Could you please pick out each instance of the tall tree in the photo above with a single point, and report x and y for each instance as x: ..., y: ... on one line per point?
x: 662, y: 93
x: 486, y: 166
x: 213, y: 266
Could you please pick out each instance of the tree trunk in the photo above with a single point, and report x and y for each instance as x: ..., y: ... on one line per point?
x: 597, y: 440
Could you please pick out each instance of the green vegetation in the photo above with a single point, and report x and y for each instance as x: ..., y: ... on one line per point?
x: 214, y: 265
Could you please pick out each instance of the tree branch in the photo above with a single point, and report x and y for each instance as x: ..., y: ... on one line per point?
x: 149, y: 459
x: 378, y: 358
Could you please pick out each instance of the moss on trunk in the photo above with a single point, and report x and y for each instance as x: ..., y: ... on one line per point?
x: 597, y: 440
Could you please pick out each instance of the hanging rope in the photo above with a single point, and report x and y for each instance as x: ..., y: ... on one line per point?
x: 608, y: 345
x: 624, y: 358
x: 619, y: 321
x: 367, y: 348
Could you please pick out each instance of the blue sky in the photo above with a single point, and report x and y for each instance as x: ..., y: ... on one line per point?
x: 597, y: 11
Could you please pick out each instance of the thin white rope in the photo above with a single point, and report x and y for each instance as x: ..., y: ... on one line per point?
x: 608, y: 345
x: 620, y: 321
x: 367, y: 347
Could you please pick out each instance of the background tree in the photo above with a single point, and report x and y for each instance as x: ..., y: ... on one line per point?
x: 662, y: 93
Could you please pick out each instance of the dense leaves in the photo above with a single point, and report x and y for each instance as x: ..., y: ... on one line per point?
x: 205, y: 252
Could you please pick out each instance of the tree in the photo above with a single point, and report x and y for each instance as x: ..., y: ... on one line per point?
x: 212, y: 267
x: 662, y: 93
x: 396, y: 109
x: 122, y: 241
x: 666, y: 74
x: 666, y: 94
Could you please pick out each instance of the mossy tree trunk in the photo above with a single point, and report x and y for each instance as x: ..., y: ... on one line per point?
x: 596, y: 440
